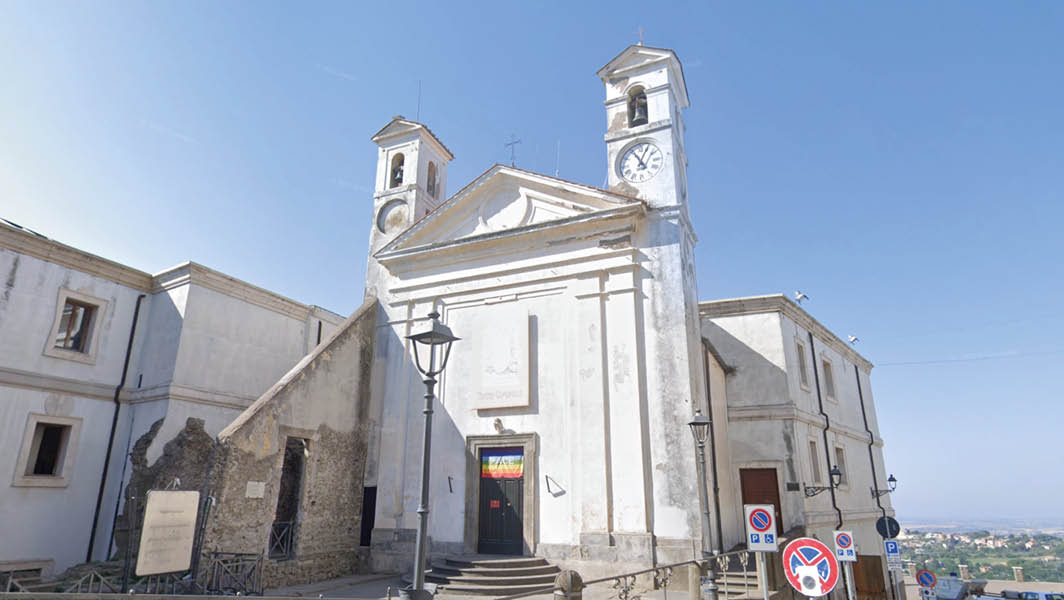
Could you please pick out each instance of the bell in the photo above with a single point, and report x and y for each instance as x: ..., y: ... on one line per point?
x: 639, y: 114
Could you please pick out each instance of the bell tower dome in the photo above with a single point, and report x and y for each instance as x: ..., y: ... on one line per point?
x: 411, y: 182
x: 645, y: 96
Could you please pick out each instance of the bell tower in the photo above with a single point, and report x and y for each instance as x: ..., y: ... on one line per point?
x: 645, y: 97
x: 411, y: 182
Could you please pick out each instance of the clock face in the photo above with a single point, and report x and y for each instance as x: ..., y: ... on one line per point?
x: 641, y: 162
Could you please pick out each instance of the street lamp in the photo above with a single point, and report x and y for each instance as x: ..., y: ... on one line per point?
x: 437, y: 334
x: 700, y: 425
x: 892, y: 484
x: 836, y: 480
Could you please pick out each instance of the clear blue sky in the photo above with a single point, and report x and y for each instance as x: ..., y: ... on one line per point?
x: 899, y: 162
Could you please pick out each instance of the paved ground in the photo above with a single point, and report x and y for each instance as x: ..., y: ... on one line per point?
x: 384, y: 586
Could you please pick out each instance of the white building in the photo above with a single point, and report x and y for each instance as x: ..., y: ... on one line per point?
x: 93, y: 354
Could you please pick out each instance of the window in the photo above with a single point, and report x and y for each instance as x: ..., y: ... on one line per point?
x: 48, y: 449
x: 396, y: 172
x: 75, y: 331
x: 803, y: 372
x: 430, y: 187
x: 637, y: 107
x: 840, y: 462
x: 814, y: 460
x: 829, y: 380
x: 75, y: 322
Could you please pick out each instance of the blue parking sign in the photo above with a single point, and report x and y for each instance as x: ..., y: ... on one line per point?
x: 755, y: 538
x: 770, y: 539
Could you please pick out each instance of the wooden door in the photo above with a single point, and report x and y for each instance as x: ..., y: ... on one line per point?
x: 501, y: 530
x: 868, y: 577
x: 759, y: 486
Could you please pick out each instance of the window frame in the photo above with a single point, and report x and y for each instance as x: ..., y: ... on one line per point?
x: 814, y: 462
x: 65, y: 464
x: 831, y: 388
x: 99, y: 309
x: 840, y: 462
x: 803, y: 368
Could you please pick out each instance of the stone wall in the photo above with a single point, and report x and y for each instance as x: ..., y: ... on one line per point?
x: 323, y: 401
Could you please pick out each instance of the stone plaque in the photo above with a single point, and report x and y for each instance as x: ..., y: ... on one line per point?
x: 502, y: 358
x: 168, y: 532
x: 255, y: 489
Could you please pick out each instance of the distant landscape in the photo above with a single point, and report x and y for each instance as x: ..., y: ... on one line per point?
x: 990, y: 547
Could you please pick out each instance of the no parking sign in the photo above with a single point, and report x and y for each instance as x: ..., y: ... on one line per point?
x: 844, y: 550
x: 760, y: 528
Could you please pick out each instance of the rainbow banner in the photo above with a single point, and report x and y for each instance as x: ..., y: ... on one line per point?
x: 502, y: 463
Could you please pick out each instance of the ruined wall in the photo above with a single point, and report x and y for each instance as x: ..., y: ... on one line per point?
x: 323, y: 401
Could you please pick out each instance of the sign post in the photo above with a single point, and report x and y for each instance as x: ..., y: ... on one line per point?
x: 846, y: 555
x: 893, y: 551
x: 810, y: 567
x: 761, y: 537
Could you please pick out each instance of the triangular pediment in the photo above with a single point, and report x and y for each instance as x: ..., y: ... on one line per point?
x: 400, y: 126
x: 636, y: 58
x: 506, y: 199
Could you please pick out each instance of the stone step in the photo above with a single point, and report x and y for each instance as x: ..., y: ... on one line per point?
x: 501, y: 562
x: 444, y: 568
x: 484, y: 590
x: 450, y: 581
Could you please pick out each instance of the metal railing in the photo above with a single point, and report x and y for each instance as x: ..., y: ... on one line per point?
x: 233, y: 573
x: 282, y: 540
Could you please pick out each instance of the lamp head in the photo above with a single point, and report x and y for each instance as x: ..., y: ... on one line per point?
x: 892, y: 482
x: 836, y: 476
x: 436, y: 334
x: 700, y: 427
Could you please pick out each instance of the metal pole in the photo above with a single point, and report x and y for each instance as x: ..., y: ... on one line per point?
x: 423, y: 509
x: 763, y: 573
x: 850, y: 592
x: 711, y: 584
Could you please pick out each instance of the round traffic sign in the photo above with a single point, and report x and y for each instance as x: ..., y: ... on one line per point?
x: 843, y: 541
x: 810, y: 567
x: 888, y: 527
x: 760, y: 520
x: 926, y: 578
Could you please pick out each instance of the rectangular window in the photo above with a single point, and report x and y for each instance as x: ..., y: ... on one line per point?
x: 814, y: 460
x: 840, y: 462
x: 75, y: 326
x: 803, y: 376
x: 829, y: 381
x: 48, y: 449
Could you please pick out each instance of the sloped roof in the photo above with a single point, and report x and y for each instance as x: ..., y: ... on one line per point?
x: 400, y: 124
x: 638, y: 55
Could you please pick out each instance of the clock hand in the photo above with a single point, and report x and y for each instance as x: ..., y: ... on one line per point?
x: 641, y: 163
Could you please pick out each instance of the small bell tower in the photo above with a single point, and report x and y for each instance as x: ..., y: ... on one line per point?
x: 411, y: 182
x: 645, y: 97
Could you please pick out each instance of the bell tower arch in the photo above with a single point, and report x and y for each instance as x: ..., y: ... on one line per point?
x: 645, y: 97
x: 411, y: 182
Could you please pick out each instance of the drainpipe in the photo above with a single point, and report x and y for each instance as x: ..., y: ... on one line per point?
x: 827, y: 426
x: 712, y: 449
x: 114, y: 427
x: 871, y: 459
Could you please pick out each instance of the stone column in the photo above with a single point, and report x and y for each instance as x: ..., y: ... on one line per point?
x: 964, y: 573
x: 1017, y: 573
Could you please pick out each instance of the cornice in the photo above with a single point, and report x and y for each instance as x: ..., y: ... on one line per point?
x: 779, y: 303
x: 61, y: 385
x: 197, y: 274
x: 24, y: 242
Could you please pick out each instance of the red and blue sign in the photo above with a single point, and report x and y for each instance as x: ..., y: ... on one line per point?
x: 926, y: 578
x: 810, y: 567
x: 844, y: 550
x: 760, y: 520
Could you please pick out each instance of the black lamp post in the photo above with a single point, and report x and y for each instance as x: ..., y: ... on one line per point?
x: 836, y: 480
x: 700, y: 425
x: 892, y: 485
x: 437, y: 334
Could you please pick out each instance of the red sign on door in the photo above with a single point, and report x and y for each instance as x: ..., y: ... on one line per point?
x: 494, y: 504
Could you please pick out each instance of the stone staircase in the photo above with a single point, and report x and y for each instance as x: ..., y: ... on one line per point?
x: 491, y: 575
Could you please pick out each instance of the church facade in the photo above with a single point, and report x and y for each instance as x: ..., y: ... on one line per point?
x: 560, y: 424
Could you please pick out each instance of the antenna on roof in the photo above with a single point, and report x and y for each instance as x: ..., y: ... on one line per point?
x: 640, y: 32
x: 511, y: 145
x: 418, y: 117
x: 557, y: 157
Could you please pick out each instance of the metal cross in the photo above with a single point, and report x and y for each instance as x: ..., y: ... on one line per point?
x: 640, y: 32
x: 511, y: 145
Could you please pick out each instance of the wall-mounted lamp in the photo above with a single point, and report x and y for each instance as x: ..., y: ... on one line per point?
x: 836, y: 480
x: 892, y: 484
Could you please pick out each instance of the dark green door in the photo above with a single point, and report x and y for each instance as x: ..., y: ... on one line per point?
x: 501, y: 494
